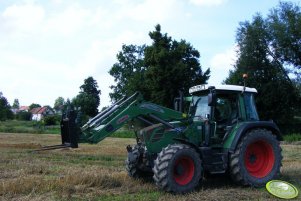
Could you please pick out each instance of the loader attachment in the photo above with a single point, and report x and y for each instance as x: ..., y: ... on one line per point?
x: 134, y: 107
x: 114, y: 117
x: 69, y: 130
x: 69, y: 133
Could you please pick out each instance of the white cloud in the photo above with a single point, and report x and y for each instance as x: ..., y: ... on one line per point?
x: 67, y: 41
x: 152, y: 10
x: 23, y: 18
x: 34, y: 80
x: 67, y: 22
x: 207, y: 2
x: 57, y: 1
x: 220, y: 64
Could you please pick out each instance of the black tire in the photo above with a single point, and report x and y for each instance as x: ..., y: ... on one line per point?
x: 177, y: 169
x: 257, y: 158
x: 135, y: 167
x: 132, y: 167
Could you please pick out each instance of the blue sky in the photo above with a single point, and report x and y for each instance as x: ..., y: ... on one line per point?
x: 48, y: 47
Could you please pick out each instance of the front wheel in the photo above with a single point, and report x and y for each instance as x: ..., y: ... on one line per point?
x: 134, y: 164
x: 177, y: 169
x: 257, y: 158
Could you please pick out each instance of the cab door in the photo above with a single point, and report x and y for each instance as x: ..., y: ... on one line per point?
x: 225, y: 115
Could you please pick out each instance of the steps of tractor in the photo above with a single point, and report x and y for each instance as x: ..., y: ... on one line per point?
x: 215, y: 160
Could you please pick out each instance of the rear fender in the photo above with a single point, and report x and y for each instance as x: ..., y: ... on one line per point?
x: 233, y: 139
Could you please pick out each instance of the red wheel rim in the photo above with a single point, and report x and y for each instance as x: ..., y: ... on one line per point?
x: 183, y: 170
x: 259, y: 159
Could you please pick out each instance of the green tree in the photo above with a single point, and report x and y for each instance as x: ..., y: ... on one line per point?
x: 171, y: 66
x: 16, y: 104
x: 284, y: 23
x: 59, y: 104
x: 158, y: 71
x: 297, y: 83
x: 5, y: 112
x: 276, y: 95
x: 128, y: 72
x: 34, y: 105
x: 88, y: 98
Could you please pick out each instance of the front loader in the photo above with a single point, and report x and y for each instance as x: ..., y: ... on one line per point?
x: 221, y: 133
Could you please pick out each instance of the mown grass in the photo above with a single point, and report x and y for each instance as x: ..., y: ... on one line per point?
x: 96, y: 172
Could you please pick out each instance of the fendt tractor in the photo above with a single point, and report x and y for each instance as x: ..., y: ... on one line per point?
x: 221, y: 133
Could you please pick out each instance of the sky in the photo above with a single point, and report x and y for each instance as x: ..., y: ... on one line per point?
x: 48, y: 47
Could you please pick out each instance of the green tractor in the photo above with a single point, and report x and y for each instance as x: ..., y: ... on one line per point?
x: 221, y: 133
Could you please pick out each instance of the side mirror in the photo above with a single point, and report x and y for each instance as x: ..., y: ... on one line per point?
x: 178, y: 102
x: 211, y: 99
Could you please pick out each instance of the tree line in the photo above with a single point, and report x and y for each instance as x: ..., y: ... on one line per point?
x: 269, y: 51
x: 86, y: 101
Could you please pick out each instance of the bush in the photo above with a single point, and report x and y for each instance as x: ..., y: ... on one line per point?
x: 123, y: 134
x: 23, y: 116
x: 51, y: 120
x: 292, y: 138
x: 287, y: 129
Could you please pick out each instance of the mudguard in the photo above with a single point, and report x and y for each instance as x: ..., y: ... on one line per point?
x: 244, y: 127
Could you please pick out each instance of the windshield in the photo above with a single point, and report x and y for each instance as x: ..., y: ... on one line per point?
x: 201, y: 106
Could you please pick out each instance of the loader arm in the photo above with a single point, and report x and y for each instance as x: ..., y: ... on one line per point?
x: 113, y: 118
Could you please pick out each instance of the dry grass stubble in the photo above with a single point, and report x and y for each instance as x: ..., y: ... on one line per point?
x: 96, y: 172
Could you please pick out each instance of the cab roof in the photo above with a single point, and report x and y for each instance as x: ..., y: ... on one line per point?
x: 205, y: 87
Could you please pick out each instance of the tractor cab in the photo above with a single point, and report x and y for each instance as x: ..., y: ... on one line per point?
x: 221, y: 107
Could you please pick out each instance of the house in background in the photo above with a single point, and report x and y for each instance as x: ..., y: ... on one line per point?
x: 39, y: 112
x: 23, y: 109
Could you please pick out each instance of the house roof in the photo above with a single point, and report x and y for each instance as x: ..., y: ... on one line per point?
x: 42, y: 110
x: 24, y: 108
x: 35, y: 110
x: 39, y: 110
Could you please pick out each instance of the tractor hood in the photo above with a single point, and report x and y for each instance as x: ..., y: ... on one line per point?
x: 156, y: 136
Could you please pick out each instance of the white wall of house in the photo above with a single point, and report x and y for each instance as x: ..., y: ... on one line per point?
x: 36, y: 117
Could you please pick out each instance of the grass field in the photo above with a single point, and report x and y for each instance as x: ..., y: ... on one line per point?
x: 13, y: 126
x: 96, y: 172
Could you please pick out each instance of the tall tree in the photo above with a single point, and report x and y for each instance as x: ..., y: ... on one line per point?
x: 5, y: 112
x: 158, y: 71
x: 128, y: 72
x: 171, y: 66
x: 284, y: 23
x: 59, y: 104
x: 88, y: 98
x: 34, y: 105
x: 276, y: 96
x: 16, y: 104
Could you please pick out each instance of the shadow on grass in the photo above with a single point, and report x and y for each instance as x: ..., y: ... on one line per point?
x: 211, y: 181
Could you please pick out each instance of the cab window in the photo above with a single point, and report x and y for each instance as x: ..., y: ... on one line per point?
x: 226, y: 109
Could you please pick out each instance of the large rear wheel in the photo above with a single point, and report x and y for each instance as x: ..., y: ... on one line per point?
x: 177, y: 169
x: 257, y: 158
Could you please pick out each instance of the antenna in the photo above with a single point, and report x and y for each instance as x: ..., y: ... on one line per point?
x: 244, y: 76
